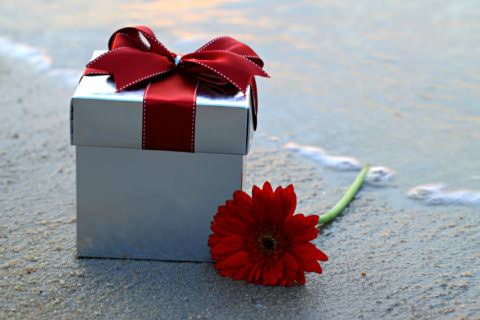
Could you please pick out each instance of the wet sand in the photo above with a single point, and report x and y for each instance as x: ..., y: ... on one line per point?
x: 384, y: 262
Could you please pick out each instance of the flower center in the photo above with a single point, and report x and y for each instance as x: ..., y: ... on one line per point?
x: 267, y: 243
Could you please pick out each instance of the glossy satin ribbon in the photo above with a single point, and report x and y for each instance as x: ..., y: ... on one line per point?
x: 137, y: 59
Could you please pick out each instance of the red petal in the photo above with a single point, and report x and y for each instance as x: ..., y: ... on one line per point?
x: 312, y: 266
x: 291, y: 276
x: 255, y: 191
x: 321, y: 256
x: 225, y: 223
x: 267, y: 188
x: 258, y: 274
x: 312, y: 220
x: 252, y: 273
x: 237, y: 225
x: 227, y: 245
x: 298, y: 223
x: 237, y: 212
x: 242, y: 272
x: 307, y: 235
x: 233, y: 240
x: 220, y: 229
x: 266, y: 275
x: 238, y: 259
x: 295, y: 224
x: 213, y: 239
x: 306, y: 251
x: 290, y: 261
x: 300, y: 277
x: 276, y: 211
x: 304, y: 248
x: 242, y: 198
x: 288, y: 198
x: 266, y: 198
x: 277, y: 272
x: 257, y: 204
x: 243, y: 206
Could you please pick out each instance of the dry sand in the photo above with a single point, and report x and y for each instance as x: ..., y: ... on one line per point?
x: 384, y: 263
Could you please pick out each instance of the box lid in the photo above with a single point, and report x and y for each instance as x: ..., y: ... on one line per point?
x: 100, y: 116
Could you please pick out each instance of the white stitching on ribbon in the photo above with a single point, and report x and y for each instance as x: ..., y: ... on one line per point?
x: 104, y: 54
x: 141, y: 79
x: 246, y: 58
x: 154, y: 39
x: 194, y: 116
x: 128, y: 38
x: 210, y: 42
x: 218, y: 72
x: 144, y: 117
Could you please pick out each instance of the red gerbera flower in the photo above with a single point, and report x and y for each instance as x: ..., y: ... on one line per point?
x: 261, y: 240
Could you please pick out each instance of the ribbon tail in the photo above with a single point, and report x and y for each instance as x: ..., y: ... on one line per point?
x: 94, y: 71
x: 254, y: 95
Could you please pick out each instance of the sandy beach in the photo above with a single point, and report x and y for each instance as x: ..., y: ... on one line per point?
x: 395, y: 84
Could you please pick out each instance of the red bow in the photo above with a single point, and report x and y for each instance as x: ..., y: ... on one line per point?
x: 169, y: 107
x: 131, y: 60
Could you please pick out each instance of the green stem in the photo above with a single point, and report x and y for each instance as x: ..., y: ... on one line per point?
x: 346, y: 199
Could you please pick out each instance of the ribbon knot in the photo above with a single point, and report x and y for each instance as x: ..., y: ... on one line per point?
x: 178, y: 58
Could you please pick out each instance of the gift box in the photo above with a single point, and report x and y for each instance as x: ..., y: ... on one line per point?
x: 153, y: 162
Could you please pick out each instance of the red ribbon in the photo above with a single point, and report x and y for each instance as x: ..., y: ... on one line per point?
x: 171, y: 80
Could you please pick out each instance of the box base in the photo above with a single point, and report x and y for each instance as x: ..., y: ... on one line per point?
x: 145, y: 204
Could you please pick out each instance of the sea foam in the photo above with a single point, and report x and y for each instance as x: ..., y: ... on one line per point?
x: 340, y: 163
x: 377, y: 175
x: 36, y: 57
x: 39, y: 59
x: 436, y: 194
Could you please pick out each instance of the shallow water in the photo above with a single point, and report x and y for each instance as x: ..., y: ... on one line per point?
x: 393, y: 84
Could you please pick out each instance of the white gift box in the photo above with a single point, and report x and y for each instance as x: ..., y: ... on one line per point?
x: 152, y: 204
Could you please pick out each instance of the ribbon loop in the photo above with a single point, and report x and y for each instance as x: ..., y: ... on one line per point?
x: 132, y: 37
